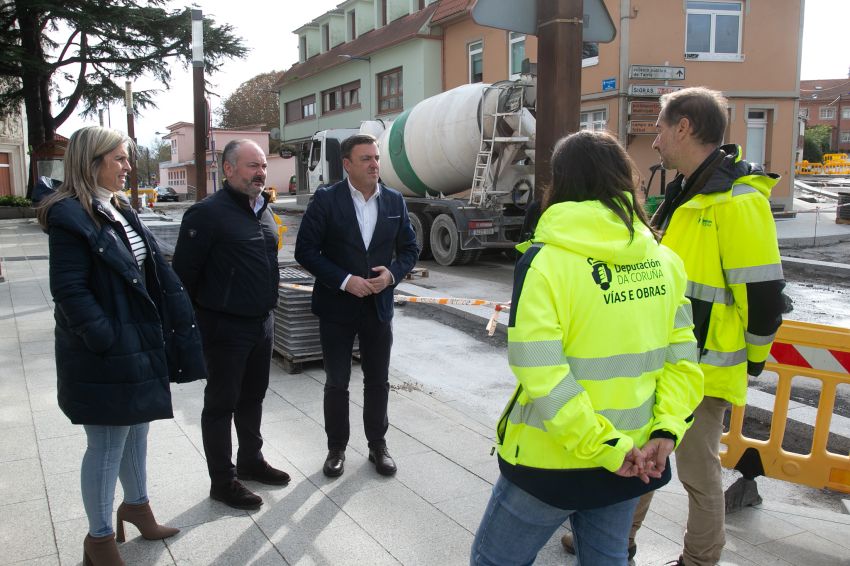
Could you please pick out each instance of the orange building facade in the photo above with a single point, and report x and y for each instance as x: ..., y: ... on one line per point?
x: 748, y: 49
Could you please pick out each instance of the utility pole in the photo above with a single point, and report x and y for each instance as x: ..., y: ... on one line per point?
x: 200, y: 105
x: 131, y: 133
x: 559, y: 40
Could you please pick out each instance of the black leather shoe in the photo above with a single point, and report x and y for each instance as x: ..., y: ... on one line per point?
x: 384, y: 464
x: 334, y: 463
x: 235, y: 495
x: 263, y: 473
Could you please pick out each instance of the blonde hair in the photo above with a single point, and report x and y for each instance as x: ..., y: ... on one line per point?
x: 83, y: 160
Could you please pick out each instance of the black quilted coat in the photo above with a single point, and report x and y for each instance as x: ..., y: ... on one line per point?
x: 122, y: 333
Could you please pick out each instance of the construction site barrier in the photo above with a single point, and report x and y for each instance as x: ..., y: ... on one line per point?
x: 808, y: 350
x: 833, y: 164
x: 455, y: 301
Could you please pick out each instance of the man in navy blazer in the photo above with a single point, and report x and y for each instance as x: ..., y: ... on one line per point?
x: 356, y: 239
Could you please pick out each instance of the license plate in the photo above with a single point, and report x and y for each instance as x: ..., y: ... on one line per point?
x: 482, y: 231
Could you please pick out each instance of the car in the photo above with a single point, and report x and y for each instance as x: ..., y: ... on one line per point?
x: 292, y: 185
x: 166, y: 194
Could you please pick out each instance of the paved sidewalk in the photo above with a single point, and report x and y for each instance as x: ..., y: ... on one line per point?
x: 426, y: 514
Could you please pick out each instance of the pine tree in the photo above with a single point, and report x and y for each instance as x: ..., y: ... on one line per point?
x: 95, y: 45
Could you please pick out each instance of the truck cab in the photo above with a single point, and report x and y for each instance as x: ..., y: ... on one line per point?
x: 322, y: 158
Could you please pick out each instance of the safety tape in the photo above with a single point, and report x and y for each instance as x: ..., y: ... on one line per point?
x: 491, y: 324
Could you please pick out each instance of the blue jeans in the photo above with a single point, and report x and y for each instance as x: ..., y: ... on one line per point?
x: 516, y: 525
x: 112, y: 452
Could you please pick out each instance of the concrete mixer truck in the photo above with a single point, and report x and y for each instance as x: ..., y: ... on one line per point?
x: 464, y: 159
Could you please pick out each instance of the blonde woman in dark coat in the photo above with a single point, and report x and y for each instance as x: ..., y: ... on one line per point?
x: 124, y: 329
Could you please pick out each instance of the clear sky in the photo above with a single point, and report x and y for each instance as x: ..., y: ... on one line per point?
x: 266, y: 27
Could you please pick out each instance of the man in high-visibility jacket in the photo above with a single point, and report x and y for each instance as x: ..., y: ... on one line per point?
x: 716, y: 216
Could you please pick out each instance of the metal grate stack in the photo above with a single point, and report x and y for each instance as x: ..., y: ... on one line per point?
x: 296, y: 329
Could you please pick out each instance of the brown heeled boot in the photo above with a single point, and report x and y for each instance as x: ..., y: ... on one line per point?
x: 142, y: 516
x: 101, y: 551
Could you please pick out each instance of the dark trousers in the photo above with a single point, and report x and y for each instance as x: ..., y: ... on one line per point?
x: 238, y: 352
x: 376, y: 340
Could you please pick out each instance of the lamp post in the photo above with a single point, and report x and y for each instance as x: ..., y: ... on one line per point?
x: 369, y: 78
x: 131, y: 133
x: 199, y: 104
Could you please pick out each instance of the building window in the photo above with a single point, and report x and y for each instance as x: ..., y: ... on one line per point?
x: 352, y: 26
x: 804, y: 112
x: 345, y: 97
x: 302, y: 48
x: 300, y: 109
x: 390, y: 91
x: 755, y: 149
x: 595, y: 120
x: 476, y: 61
x: 326, y: 37
x: 713, y: 30
x: 516, y: 53
x: 826, y: 113
x: 845, y: 137
x: 589, y: 54
x: 845, y: 113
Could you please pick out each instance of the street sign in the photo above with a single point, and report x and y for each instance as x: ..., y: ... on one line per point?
x: 521, y: 16
x: 651, y: 90
x: 609, y: 84
x: 648, y: 107
x: 657, y: 72
x: 642, y: 127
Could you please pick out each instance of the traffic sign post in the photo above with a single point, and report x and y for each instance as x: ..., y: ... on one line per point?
x: 657, y: 72
x: 522, y: 16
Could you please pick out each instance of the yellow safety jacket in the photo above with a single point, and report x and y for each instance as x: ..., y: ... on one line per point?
x: 600, y: 340
x: 726, y: 236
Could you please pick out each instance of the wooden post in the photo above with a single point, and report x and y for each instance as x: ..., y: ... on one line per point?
x: 559, y: 37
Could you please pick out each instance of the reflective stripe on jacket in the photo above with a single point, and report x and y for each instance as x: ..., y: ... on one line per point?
x: 727, y: 240
x: 600, y: 341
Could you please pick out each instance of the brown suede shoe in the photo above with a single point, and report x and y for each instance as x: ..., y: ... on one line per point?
x: 101, y: 551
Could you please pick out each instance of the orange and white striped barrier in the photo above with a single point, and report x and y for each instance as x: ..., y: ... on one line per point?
x: 814, y: 351
x: 455, y: 301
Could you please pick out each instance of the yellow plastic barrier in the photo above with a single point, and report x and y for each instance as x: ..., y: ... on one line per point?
x: 280, y: 229
x: 808, y: 350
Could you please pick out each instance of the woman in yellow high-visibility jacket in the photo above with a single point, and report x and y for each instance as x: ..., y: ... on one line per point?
x: 601, y: 342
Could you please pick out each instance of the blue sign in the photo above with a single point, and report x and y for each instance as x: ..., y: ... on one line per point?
x: 609, y: 84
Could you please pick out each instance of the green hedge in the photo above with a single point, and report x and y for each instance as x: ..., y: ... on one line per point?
x: 14, y: 201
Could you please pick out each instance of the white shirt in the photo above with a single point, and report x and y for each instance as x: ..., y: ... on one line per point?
x: 367, y: 216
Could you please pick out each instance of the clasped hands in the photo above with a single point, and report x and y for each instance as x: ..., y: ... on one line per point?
x: 360, y: 287
x: 647, y: 462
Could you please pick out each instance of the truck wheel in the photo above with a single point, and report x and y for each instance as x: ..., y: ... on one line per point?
x: 445, y: 241
x: 421, y: 224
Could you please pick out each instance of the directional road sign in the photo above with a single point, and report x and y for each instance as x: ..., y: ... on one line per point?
x: 651, y: 90
x: 657, y: 72
x: 521, y: 16
x: 646, y: 107
x: 642, y: 127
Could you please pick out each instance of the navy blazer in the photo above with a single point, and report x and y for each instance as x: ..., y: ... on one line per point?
x: 329, y: 245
